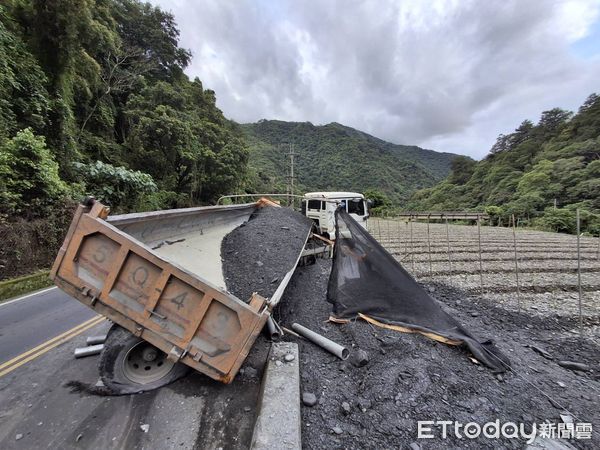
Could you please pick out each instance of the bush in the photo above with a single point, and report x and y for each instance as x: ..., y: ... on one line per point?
x: 560, y: 220
x: 116, y: 186
x: 29, y: 182
x: 564, y: 220
x: 22, y: 285
x: 496, y: 214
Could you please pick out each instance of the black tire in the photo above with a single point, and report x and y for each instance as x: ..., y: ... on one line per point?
x: 114, y: 358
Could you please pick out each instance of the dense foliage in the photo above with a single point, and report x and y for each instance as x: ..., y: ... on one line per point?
x: 29, y: 180
x: 542, y: 173
x: 93, y: 99
x: 338, y: 158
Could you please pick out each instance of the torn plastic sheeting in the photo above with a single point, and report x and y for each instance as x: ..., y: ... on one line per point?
x: 367, y: 281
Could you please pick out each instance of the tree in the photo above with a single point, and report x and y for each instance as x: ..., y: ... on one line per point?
x: 527, y: 170
x: 100, y: 84
x: 122, y: 72
x: 558, y: 219
x: 378, y: 198
x: 462, y: 168
x: 510, y: 141
x: 155, y: 33
x: 592, y: 102
x: 552, y: 121
x: 178, y: 136
x: 495, y: 213
x: 23, y: 95
x: 30, y: 183
x: 522, y: 133
x: 502, y: 144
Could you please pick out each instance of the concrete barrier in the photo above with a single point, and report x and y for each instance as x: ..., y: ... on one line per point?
x: 278, y: 425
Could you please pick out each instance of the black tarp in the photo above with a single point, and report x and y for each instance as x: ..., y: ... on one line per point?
x: 366, y: 280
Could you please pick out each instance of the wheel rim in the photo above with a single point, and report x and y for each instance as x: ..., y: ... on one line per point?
x: 144, y: 364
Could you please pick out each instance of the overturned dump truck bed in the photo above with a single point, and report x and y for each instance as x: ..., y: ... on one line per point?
x: 159, y: 275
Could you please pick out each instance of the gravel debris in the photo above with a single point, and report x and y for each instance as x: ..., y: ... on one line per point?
x: 257, y: 256
x: 574, y: 365
x: 309, y: 399
x: 359, y: 358
x: 420, y: 379
x: 346, y: 407
x: 249, y: 371
x: 541, y: 351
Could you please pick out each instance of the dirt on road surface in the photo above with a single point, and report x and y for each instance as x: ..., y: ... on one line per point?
x: 410, y: 378
x: 38, y: 410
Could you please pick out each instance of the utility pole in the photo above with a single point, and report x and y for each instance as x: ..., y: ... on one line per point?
x: 291, y: 154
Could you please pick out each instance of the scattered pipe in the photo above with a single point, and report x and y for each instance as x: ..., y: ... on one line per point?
x: 94, y: 340
x: 288, y: 331
x: 88, y: 351
x: 327, y: 344
x: 273, y: 329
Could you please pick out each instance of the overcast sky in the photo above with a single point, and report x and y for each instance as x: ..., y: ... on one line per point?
x: 445, y: 75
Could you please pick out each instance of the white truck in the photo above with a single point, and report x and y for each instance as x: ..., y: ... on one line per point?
x: 321, y: 206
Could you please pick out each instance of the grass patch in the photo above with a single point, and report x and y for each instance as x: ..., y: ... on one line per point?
x: 23, y: 285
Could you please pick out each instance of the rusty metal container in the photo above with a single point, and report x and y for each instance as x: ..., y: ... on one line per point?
x: 158, y: 275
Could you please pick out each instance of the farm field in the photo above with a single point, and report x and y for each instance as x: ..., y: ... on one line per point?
x: 485, y: 262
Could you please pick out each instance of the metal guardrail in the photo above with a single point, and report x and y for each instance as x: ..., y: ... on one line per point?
x: 223, y: 197
x: 441, y: 215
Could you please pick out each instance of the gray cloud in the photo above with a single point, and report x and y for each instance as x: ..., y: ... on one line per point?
x: 444, y: 75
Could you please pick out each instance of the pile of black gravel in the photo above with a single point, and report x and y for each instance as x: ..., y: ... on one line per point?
x: 409, y: 377
x: 257, y: 255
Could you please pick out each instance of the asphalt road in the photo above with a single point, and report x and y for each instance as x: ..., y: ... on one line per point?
x: 27, y: 323
x: 38, y: 410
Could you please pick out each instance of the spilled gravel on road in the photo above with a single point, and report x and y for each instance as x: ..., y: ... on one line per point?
x: 410, y: 378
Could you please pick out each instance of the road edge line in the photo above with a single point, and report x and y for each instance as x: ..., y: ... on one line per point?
x: 18, y: 299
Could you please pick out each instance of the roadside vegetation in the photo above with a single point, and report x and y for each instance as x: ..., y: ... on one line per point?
x: 94, y: 100
x: 22, y: 285
x: 541, y: 173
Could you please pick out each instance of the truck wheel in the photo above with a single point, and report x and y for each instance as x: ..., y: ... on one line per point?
x: 129, y: 365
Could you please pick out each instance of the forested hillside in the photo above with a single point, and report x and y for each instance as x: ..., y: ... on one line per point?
x: 336, y: 157
x: 93, y: 99
x: 556, y: 161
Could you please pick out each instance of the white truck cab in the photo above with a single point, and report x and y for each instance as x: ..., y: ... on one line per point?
x: 321, y: 206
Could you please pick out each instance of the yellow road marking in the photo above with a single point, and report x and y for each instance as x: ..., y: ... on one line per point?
x: 29, y: 355
x: 50, y: 341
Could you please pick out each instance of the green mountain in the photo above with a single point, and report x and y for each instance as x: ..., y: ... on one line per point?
x: 336, y: 157
x: 528, y: 172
